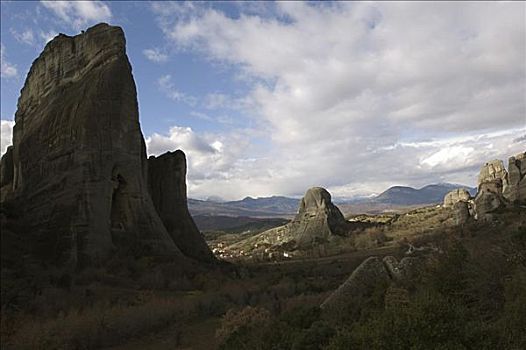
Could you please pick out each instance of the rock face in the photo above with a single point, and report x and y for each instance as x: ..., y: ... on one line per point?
x: 77, y: 171
x: 370, y: 275
x: 167, y: 184
x: 516, y: 189
x: 493, y: 171
x: 317, y: 219
x: 6, y: 173
x: 488, y: 199
x: 458, y: 195
x: 461, y: 212
x: 406, y: 270
x: 492, y: 183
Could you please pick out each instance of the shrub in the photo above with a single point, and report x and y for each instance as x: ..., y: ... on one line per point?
x: 233, y: 320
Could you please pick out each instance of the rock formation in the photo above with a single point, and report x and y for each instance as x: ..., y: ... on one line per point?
x: 167, y: 183
x: 6, y: 173
x: 488, y: 199
x: 516, y: 189
x: 405, y: 270
x: 372, y: 276
x: 497, y: 188
x: 77, y: 171
x: 492, y: 181
x: 493, y: 171
x: 458, y: 195
x: 461, y: 212
x: 317, y: 219
x: 365, y: 279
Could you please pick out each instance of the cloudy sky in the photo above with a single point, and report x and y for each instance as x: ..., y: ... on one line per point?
x: 273, y: 98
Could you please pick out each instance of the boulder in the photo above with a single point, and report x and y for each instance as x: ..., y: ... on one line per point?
x: 458, y: 195
x: 363, y: 282
x: 167, y: 184
x: 516, y: 189
x: 78, y: 170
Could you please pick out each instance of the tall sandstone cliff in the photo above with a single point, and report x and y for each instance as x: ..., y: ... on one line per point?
x: 167, y: 183
x: 77, y: 170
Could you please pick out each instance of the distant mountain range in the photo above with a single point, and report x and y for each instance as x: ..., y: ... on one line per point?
x: 275, y: 206
x: 430, y: 194
x: 280, y: 206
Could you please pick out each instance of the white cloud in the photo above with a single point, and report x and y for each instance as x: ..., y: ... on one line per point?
x: 155, y: 55
x: 8, y: 70
x: 25, y: 37
x: 79, y: 14
x: 47, y: 36
x: 209, y: 156
x: 6, y: 134
x: 167, y: 86
x: 344, y: 89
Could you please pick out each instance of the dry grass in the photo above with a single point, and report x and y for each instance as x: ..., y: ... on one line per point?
x: 98, y: 326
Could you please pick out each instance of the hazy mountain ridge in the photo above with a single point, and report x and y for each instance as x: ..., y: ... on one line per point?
x: 285, y: 206
x: 403, y: 195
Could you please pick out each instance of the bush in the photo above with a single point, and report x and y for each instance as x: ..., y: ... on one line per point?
x: 370, y: 238
x: 296, y: 329
x: 233, y: 320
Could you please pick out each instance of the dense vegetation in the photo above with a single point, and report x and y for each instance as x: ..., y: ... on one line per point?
x: 467, y: 299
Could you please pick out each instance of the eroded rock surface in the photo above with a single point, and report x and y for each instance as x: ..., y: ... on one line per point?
x: 317, y: 219
x: 79, y: 166
x: 461, y: 212
x: 516, y: 189
x: 488, y: 199
x: 493, y: 171
x: 167, y: 183
x: 372, y: 276
x: 458, y: 195
x: 6, y: 173
x: 405, y: 270
x: 365, y: 279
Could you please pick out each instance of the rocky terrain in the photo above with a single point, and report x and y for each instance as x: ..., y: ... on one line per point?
x: 318, y: 221
x: 496, y: 189
x: 77, y: 173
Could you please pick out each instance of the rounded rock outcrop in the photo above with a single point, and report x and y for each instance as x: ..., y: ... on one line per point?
x: 458, y: 195
x: 493, y: 171
x: 317, y: 219
x: 364, y: 280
